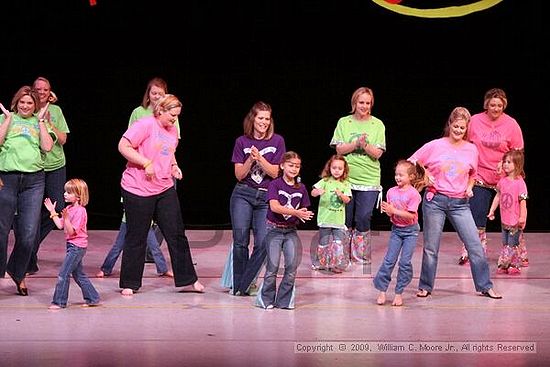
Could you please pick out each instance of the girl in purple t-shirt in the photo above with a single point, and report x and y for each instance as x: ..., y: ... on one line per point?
x: 512, y: 198
x: 288, y: 201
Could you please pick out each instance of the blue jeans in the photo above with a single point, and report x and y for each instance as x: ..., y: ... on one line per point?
x: 402, y: 241
x: 54, y: 188
x: 480, y: 204
x: 280, y: 241
x: 248, y: 209
x: 459, y: 214
x: 510, y: 235
x: 22, y: 194
x: 359, y: 209
x: 116, y: 249
x: 164, y: 208
x: 72, y: 265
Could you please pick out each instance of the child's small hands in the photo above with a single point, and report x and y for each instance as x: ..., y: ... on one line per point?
x: 387, y: 208
x: 49, y: 205
x: 304, y: 214
x: 469, y: 193
x: 521, y: 222
x: 491, y: 215
x: 319, y: 192
x: 65, y: 213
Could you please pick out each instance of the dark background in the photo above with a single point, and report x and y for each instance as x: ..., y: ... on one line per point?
x: 304, y: 58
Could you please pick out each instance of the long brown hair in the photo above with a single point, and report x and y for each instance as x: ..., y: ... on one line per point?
x: 326, y: 170
x: 248, y: 123
x: 518, y: 159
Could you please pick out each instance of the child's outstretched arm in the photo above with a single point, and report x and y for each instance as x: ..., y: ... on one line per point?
x: 55, y: 216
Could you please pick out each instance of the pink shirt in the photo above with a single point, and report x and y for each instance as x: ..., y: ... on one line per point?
x: 408, y: 200
x: 512, y: 191
x: 79, y: 220
x: 157, y: 144
x: 452, y: 166
x: 493, y: 139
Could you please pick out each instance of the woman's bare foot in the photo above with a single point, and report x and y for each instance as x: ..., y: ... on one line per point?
x: 381, y: 298
x: 198, y: 287
x: 127, y: 292
x: 398, y: 300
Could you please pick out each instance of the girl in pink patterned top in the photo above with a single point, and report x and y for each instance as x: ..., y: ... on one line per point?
x: 512, y: 198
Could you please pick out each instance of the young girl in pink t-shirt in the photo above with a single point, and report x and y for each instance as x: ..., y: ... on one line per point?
x: 511, y: 197
x: 73, y: 221
x: 401, y: 206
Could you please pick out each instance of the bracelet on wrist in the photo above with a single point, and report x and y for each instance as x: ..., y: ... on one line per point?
x: 53, y: 215
x: 147, y: 164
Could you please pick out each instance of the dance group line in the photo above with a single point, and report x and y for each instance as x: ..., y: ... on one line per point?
x: 474, y: 168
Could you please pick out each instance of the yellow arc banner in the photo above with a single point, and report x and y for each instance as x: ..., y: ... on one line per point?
x: 447, y: 12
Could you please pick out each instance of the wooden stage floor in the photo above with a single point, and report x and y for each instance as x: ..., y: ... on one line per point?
x: 336, y: 321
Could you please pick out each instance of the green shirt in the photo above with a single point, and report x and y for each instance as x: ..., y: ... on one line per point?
x: 332, y: 210
x: 55, y: 158
x: 21, y: 148
x: 364, y: 171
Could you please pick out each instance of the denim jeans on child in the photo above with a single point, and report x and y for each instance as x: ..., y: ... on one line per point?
x: 402, y: 241
x: 457, y: 210
x: 72, y: 265
x: 279, y: 241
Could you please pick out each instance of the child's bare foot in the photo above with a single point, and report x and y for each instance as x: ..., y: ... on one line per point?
x: 54, y: 307
x: 100, y: 274
x: 198, y: 287
x: 127, y: 292
x: 381, y: 298
x: 398, y: 300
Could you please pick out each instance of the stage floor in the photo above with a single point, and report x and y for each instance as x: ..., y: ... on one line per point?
x: 336, y: 321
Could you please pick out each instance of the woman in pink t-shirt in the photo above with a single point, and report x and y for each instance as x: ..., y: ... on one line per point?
x: 494, y: 133
x: 451, y: 163
x: 148, y: 193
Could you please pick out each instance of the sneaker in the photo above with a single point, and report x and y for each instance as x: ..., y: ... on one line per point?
x: 270, y: 307
x: 502, y: 271
x: 463, y: 260
x: 513, y: 271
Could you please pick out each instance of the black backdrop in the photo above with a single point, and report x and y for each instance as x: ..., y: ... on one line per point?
x: 305, y: 59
